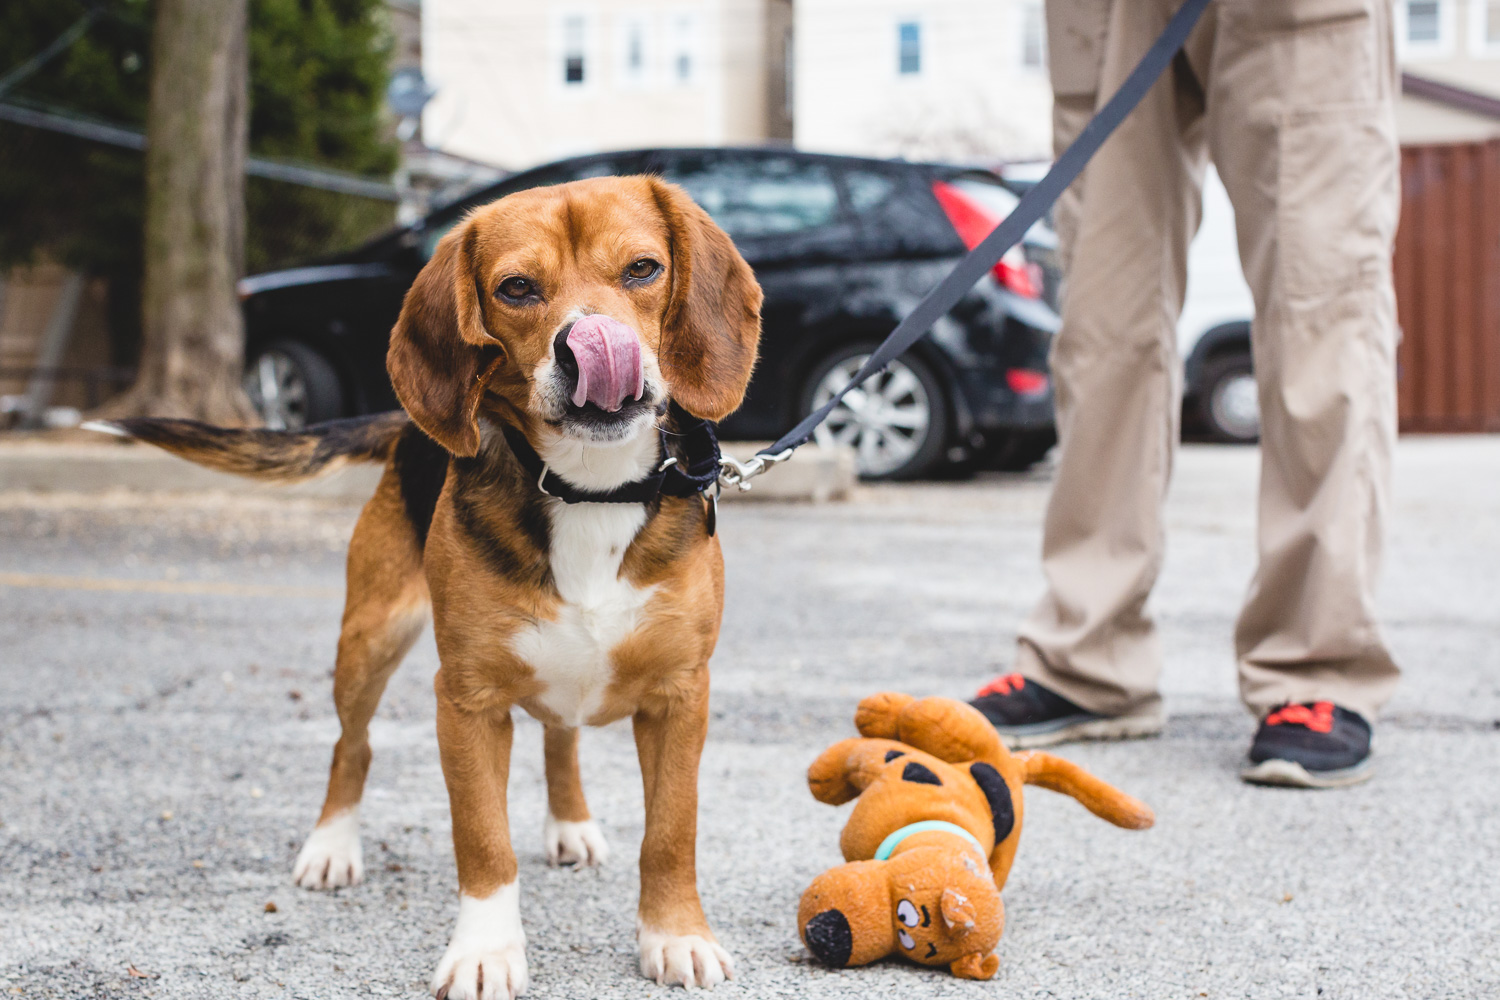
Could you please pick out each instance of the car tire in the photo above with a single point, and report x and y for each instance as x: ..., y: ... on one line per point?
x: 1228, y: 403
x: 910, y: 397
x: 291, y: 386
x: 1020, y: 450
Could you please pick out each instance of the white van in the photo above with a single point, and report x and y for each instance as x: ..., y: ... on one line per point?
x: 1213, y: 332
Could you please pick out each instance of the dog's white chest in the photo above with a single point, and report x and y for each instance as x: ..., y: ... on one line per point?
x: 571, y: 655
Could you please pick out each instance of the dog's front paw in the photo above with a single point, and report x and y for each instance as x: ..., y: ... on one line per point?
x: 683, y: 960
x: 486, y: 959
x: 572, y: 843
x: 332, y: 856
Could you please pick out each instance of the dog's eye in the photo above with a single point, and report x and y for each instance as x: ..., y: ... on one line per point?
x: 643, y: 269
x: 907, y: 913
x: 515, y: 289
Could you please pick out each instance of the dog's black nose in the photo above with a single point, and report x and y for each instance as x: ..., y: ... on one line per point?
x: 829, y: 938
x: 566, y: 362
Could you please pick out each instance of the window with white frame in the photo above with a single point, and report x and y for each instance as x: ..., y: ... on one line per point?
x: 1484, y: 28
x: 575, y: 37
x: 1033, y: 35
x: 909, y: 48
x: 633, y: 51
x: 682, y: 52
x: 1424, y: 27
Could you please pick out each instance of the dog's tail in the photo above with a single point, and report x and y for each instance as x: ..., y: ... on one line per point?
x: 1098, y: 797
x: 285, y: 456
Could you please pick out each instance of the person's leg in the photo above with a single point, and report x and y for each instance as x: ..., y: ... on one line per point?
x: 1116, y: 375
x: 1301, y: 110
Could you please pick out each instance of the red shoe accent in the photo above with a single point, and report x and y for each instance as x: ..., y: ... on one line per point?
x: 1318, y: 717
x: 1009, y: 684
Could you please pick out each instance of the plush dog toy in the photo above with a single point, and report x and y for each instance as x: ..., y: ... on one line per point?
x: 931, y: 840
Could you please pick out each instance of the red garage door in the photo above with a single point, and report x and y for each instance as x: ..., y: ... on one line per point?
x: 1448, y: 288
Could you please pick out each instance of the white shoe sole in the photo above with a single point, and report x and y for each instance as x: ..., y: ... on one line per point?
x: 1290, y: 774
x: 1120, y: 727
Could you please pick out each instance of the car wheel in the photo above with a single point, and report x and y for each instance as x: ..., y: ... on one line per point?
x: 291, y: 385
x: 897, y: 422
x: 1229, y: 403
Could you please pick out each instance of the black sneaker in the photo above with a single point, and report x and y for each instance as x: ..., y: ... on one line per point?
x: 1026, y: 715
x: 1312, y: 745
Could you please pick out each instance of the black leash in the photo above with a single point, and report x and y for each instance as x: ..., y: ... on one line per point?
x: 988, y: 252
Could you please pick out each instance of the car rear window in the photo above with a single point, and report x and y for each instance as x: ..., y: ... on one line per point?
x: 758, y: 196
x: 867, y: 189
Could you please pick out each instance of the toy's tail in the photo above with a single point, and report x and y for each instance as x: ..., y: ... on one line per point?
x: 287, y: 456
x: 1098, y: 797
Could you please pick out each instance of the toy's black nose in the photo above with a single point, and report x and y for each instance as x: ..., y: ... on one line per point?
x: 828, y: 937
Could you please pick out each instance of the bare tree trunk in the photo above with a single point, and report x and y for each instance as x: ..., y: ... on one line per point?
x: 193, y: 335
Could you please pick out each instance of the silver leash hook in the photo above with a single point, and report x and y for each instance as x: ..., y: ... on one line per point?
x: 736, y: 473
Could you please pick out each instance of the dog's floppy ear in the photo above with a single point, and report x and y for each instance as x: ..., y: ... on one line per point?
x: 711, y: 327
x: 441, y: 356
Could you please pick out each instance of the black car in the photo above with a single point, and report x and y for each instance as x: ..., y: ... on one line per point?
x: 843, y: 247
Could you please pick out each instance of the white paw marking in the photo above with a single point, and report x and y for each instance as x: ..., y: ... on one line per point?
x: 570, y: 843
x: 686, y: 960
x: 486, y: 957
x: 331, y: 857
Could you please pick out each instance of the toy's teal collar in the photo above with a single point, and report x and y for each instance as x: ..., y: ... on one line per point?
x: 890, y: 843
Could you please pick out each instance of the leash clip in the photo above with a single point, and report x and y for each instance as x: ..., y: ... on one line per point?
x: 733, y: 472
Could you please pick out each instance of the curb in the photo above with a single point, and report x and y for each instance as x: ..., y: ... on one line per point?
x: 42, y: 466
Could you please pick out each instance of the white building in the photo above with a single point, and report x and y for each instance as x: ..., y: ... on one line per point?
x: 926, y: 79
x: 1454, y: 44
x: 522, y: 83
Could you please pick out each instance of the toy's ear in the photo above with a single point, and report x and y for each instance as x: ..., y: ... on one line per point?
x: 845, y: 915
x: 975, y: 966
x: 441, y: 357
x: 958, y: 911
x: 711, y: 327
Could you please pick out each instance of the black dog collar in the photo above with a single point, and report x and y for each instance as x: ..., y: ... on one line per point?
x: 673, y: 477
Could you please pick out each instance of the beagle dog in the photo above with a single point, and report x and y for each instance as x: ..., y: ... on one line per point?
x: 562, y: 344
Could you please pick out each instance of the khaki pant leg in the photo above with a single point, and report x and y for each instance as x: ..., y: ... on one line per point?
x: 1114, y: 363
x: 1302, y: 128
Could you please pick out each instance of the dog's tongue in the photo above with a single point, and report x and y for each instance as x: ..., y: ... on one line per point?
x: 609, y: 362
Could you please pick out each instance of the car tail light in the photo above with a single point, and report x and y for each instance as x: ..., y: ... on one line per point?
x: 972, y: 222
x: 1025, y: 382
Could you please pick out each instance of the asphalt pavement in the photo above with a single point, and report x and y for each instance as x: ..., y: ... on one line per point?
x: 166, y: 722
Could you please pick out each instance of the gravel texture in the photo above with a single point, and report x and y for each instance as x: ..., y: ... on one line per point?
x: 164, y: 742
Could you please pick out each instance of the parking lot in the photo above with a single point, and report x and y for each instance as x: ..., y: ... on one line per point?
x: 166, y: 720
